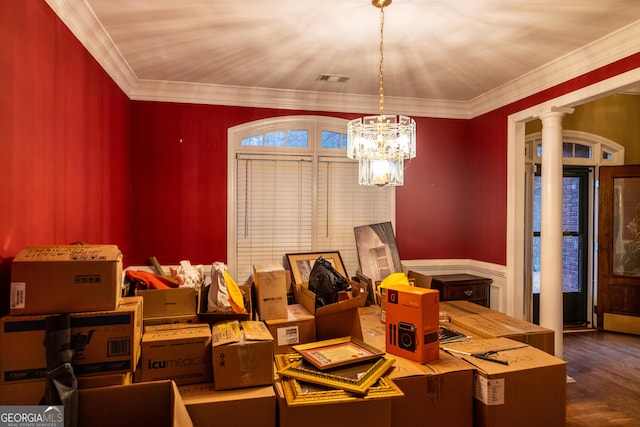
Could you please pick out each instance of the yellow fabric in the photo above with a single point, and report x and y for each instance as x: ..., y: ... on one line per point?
x: 236, y: 299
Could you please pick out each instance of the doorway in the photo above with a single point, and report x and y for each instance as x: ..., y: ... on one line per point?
x: 583, y: 153
x: 575, y: 245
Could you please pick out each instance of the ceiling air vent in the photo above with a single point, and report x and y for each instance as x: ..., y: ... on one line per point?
x: 333, y: 78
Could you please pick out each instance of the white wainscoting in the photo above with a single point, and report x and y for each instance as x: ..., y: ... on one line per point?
x: 433, y: 267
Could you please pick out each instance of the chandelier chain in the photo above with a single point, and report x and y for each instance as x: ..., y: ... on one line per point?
x: 381, y: 61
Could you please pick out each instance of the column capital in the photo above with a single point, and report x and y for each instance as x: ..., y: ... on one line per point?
x: 555, y: 112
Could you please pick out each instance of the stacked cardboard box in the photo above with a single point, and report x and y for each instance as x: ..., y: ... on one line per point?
x: 298, y: 328
x: 487, y: 323
x: 271, y: 291
x: 177, y: 351
x: 242, y: 355
x: 250, y: 407
x: 156, y: 403
x: 66, y: 279
x: 514, y: 384
x: 85, y: 283
x: 440, y: 391
x: 523, y: 386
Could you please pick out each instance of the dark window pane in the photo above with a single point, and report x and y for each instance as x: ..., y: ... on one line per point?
x: 571, y: 264
x: 571, y: 204
x: 582, y: 151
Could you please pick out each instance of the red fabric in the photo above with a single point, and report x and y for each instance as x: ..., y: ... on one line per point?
x: 145, y: 280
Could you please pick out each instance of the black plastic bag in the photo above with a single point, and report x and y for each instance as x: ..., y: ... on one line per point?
x: 61, y: 387
x: 326, y: 282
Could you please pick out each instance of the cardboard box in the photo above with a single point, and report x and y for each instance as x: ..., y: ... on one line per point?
x: 270, y: 282
x: 176, y: 305
x: 31, y: 392
x: 440, y: 391
x: 298, y: 328
x: 180, y: 352
x: 220, y: 316
x: 105, y: 342
x: 529, y: 391
x: 335, y: 320
x: 357, y: 412
x: 66, y: 279
x: 412, y: 322
x: 534, y: 335
x: 487, y: 323
x: 487, y: 328
x: 247, y: 407
x: 242, y: 355
x: 156, y: 403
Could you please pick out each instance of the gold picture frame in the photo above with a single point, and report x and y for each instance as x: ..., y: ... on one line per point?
x: 302, y: 263
x: 336, y: 352
x: 361, y: 379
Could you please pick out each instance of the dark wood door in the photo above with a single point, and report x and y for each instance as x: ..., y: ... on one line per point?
x: 619, y: 249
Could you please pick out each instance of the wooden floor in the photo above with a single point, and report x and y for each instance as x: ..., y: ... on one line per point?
x: 606, y: 370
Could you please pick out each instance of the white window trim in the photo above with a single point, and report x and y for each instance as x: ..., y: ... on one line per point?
x: 597, y: 143
x: 314, y: 124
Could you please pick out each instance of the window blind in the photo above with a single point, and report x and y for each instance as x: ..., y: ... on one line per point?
x: 273, y: 211
x: 343, y: 204
x: 288, y: 201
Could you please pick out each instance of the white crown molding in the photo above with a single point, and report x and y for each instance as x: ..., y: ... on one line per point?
x: 82, y: 22
x: 613, y: 47
x: 151, y: 90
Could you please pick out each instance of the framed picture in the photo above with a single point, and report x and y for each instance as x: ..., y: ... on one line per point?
x: 378, y: 254
x: 626, y: 226
x: 303, y: 384
x: 336, y: 352
x: 302, y: 263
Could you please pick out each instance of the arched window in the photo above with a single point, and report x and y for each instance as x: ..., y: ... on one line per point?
x: 292, y: 189
x: 578, y: 148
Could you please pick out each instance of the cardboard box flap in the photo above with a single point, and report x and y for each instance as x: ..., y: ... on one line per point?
x: 256, y: 331
x: 519, y: 356
x: 306, y: 298
x: 176, y: 330
x: 486, y: 327
x: 68, y: 253
x: 225, y: 333
x: 347, y: 304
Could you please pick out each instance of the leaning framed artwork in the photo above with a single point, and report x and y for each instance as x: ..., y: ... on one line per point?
x: 303, y: 384
x: 336, y: 352
x: 301, y: 264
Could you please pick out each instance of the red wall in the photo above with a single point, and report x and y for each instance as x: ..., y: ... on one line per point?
x: 431, y: 212
x: 179, y: 188
x: 79, y: 161
x: 64, y: 124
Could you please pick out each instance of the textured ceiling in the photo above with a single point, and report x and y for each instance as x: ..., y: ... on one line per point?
x: 453, y: 50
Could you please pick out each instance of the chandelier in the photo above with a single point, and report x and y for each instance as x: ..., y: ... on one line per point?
x: 381, y: 143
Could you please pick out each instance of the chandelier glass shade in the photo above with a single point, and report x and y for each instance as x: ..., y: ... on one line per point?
x: 381, y: 143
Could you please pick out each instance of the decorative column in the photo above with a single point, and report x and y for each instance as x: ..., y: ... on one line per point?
x: 551, y: 312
